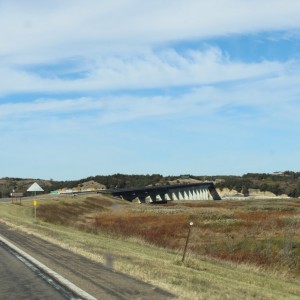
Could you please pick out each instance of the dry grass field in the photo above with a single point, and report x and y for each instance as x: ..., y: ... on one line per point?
x: 264, y: 233
x: 246, y: 249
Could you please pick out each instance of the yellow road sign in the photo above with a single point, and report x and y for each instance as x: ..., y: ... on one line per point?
x: 34, y: 203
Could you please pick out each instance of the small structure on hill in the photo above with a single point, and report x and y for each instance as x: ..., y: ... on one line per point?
x: 35, y: 188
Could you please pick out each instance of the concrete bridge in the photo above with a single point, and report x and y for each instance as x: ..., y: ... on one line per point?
x: 193, y: 191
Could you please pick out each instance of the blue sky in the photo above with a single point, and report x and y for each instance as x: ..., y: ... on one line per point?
x: 172, y: 87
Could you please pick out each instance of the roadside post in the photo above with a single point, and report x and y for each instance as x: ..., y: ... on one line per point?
x: 34, y: 205
x: 187, y: 241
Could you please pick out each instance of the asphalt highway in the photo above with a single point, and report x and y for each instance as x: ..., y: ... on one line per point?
x: 5, y: 200
x: 99, y: 281
x: 19, y: 281
x: 39, y: 197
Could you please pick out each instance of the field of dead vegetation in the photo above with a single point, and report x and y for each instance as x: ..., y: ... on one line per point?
x: 237, y: 249
x: 263, y: 233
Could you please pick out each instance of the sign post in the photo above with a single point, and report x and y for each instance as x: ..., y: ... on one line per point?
x: 187, y: 241
x: 16, y: 196
x: 34, y: 205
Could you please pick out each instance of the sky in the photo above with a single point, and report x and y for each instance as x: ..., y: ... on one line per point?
x: 149, y: 87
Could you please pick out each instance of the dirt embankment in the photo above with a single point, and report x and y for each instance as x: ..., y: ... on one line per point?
x: 252, y: 193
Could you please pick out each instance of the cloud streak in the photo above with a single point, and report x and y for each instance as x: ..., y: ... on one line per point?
x: 274, y: 97
x: 166, y: 68
x: 138, y: 85
x: 36, y: 26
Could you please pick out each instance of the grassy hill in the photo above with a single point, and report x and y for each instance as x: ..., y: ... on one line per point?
x: 237, y: 249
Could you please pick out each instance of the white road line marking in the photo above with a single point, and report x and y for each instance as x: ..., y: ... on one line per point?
x: 69, y: 285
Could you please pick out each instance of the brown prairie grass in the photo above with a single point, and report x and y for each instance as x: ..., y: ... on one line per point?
x: 263, y: 233
x: 167, y: 231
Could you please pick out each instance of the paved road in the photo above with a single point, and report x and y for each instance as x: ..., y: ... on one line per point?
x: 94, y: 278
x: 18, y: 281
x: 45, y: 197
x: 38, y: 197
x: 5, y: 200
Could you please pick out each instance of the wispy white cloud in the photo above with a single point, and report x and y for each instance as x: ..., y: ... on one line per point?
x: 166, y: 68
x: 104, y: 77
x: 274, y: 98
x: 57, y: 25
x: 42, y: 107
x: 112, y: 42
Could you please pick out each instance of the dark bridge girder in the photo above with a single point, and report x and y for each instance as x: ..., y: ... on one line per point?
x: 152, y: 191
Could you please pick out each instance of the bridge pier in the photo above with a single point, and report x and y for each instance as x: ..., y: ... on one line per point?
x: 195, y: 194
x: 142, y: 199
x: 161, y: 197
x: 175, y: 195
x: 152, y: 198
x: 206, y: 194
x: 190, y: 194
x: 201, y: 196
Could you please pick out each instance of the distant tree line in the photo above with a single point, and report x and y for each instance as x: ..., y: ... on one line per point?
x: 111, y: 181
x: 126, y: 181
x: 287, y: 182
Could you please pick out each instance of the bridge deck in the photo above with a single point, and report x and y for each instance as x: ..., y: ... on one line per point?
x: 142, y: 192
